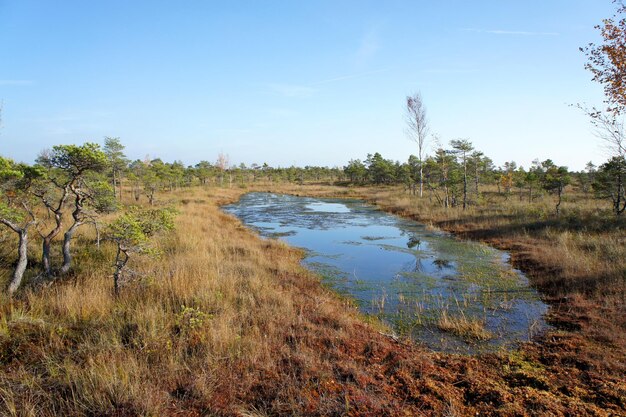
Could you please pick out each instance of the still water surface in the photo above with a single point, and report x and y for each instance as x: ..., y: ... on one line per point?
x: 401, y: 271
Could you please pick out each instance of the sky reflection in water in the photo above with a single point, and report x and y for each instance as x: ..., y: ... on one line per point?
x: 399, y: 270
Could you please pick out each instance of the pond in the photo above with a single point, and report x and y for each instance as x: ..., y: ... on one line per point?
x: 450, y: 294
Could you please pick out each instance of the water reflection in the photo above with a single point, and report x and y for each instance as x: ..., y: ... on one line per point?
x: 412, y: 277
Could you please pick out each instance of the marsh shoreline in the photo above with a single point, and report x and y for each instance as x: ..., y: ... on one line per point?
x: 230, y: 324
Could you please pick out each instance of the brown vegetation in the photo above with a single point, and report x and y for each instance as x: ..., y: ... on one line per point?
x: 229, y: 324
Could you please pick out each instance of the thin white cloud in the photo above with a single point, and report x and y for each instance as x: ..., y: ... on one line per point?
x: 510, y: 32
x: 350, y: 76
x: 232, y: 131
x: 449, y: 71
x: 292, y: 90
x: 309, y: 89
x: 16, y: 82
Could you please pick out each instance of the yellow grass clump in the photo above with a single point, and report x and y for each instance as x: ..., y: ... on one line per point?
x: 466, y: 328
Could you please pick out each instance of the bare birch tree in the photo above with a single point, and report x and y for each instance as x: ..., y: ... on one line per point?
x: 417, y: 129
x: 609, y: 128
x: 222, y: 165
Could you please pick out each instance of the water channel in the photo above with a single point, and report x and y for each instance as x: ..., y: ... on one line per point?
x: 450, y: 294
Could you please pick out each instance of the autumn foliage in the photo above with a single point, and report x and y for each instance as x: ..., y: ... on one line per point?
x: 607, y: 61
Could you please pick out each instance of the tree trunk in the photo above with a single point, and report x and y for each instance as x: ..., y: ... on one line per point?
x: 421, y: 180
x: 97, y: 228
x: 47, y: 243
x: 22, y: 261
x: 119, y: 266
x: 45, y: 256
x: 57, y: 211
x: 114, y: 184
x: 558, y: 204
x: 464, y: 183
x: 67, y: 240
x: 69, y: 234
x: 476, y: 179
x: 119, y: 181
x: 619, y: 208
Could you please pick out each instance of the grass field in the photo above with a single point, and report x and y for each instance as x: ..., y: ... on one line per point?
x: 225, y: 323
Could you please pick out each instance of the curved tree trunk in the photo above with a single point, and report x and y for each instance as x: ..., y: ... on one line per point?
x: 67, y: 254
x: 22, y: 250
x: 69, y: 234
x: 57, y: 210
x: 47, y: 242
x: 22, y: 261
x: 120, y: 262
x: 45, y: 256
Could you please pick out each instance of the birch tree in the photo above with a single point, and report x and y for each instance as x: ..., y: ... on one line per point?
x: 417, y: 130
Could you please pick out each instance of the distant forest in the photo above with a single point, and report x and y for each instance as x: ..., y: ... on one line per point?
x: 453, y: 176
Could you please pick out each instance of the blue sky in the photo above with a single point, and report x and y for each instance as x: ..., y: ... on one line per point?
x: 294, y: 82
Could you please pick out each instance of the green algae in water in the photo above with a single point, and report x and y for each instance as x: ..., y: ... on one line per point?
x: 401, y: 272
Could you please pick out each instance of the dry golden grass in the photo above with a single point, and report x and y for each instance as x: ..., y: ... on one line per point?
x: 210, y: 309
x: 225, y: 323
x: 466, y: 328
x: 110, y: 351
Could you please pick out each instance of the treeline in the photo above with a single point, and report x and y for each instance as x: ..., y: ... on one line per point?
x: 70, y: 186
x: 455, y: 176
x: 148, y: 176
x: 452, y: 176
